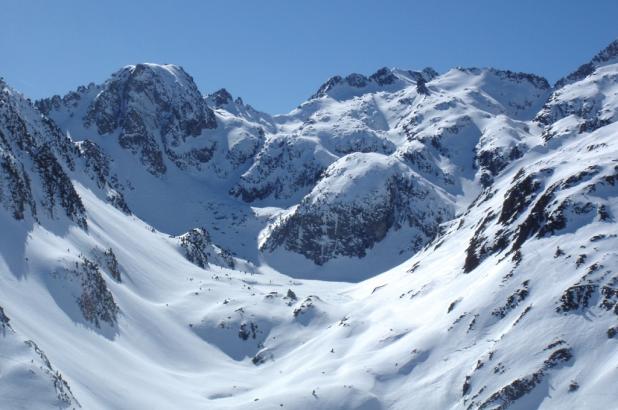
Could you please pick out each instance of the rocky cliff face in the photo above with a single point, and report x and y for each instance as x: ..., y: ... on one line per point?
x: 35, y: 160
x: 198, y: 248
x: 154, y: 111
x: 358, y: 200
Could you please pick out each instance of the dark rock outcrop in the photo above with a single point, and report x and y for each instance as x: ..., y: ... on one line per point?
x: 347, y: 222
x: 96, y: 301
x: 35, y: 162
x: 199, y: 249
x: 154, y: 110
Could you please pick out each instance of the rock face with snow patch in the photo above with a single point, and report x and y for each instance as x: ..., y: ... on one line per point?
x: 95, y: 300
x: 156, y: 112
x: 199, y: 249
x: 35, y: 159
x: 340, y: 87
x: 584, y: 100
x: 358, y: 200
x: 285, y: 167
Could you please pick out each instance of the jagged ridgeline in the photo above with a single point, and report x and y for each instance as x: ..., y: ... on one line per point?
x: 404, y: 239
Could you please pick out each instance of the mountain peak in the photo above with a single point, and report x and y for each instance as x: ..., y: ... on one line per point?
x: 608, y: 55
x: 220, y: 98
x: 383, y: 77
x: 170, y: 75
x: 154, y: 108
x: 534, y: 79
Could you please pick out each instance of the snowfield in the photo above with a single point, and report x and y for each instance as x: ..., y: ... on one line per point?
x: 402, y: 240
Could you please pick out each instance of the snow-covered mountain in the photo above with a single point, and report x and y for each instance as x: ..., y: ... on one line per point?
x: 406, y: 239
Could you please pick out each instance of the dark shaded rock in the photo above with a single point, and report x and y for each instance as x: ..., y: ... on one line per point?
x: 356, y: 80
x: 576, y: 297
x: 247, y: 330
x: 510, y: 393
x: 537, y: 218
x: 280, y: 170
x: 555, y: 343
x: 306, y: 306
x: 96, y: 301
x: 262, y: 356
x: 34, y: 153
x: 559, y: 252
x: 512, y: 301
x: 477, y: 249
x: 609, y: 293
x: 496, y: 159
x: 472, y: 324
x: 109, y: 258
x: 421, y: 87
x: 4, y: 320
x: 465, y: 389
x: 221, y: 97
x: 117, y: 200
x: 19, y: 198
x: 199, y: 249
x: 562, y: 355
x: 291, y: 295
x: 96, y: 162
x: 452, y: 305
x: 457, y: 321
x: 518, y: 388
x: 472, y: 260
x: 537, y: 81
x: 58, y: 187
x: 518, y: 197
x: 523, y: 314
x: 194, y: 244
x: 383, y: 76
x: 581, y: 259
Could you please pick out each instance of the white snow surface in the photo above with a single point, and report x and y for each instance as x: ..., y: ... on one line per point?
x: 510, y: 305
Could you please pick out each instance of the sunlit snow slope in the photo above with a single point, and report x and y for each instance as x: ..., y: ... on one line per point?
x: 402, y: 240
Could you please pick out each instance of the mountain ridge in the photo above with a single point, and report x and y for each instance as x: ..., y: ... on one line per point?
x: 402, y: 239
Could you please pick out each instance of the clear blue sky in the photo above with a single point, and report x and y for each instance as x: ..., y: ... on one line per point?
x: 276, y: 53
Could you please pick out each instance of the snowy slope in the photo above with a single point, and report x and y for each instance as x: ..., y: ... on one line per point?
x: 161, y: 249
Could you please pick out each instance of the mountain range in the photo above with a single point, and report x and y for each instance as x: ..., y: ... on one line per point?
x: 406, y: 239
